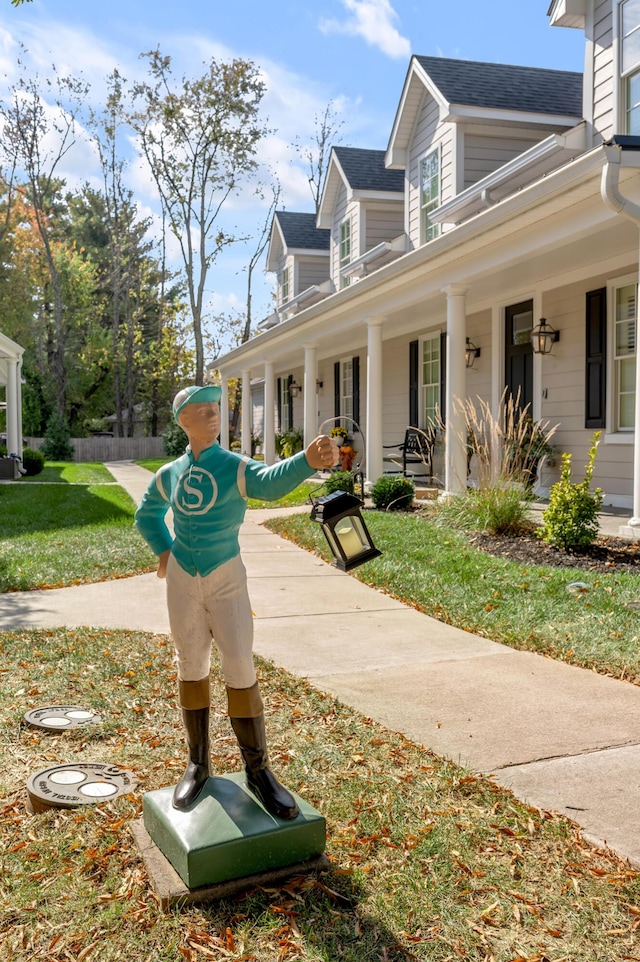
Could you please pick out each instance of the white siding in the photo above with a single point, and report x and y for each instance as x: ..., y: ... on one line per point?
x: 484, y: 153
x: 603, y: 71
x: 428, y: 133
x: 311, y: 270
x: 564, y: 379
x: 341, y: 211
x: 383, y: 224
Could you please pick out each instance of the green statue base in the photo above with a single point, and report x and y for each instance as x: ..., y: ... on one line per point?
x: 229, y: 835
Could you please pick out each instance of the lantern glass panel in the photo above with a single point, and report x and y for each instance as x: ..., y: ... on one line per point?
x: 351, y: 535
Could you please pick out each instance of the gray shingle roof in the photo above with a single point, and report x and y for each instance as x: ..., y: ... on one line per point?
x: 300, y: 231
x: 365, y: 170
x: 499, y: 85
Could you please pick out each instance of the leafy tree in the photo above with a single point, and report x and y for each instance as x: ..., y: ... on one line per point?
x: 37, y: 135
x: 200, y: 139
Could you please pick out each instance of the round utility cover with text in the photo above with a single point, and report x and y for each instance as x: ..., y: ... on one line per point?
x: 67, y: 786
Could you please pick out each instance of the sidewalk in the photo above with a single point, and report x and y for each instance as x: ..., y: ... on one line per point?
x: 560, y: 737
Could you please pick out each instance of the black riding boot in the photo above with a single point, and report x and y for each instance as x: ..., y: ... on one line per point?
x: 252, y: 740
x: 196, y: 723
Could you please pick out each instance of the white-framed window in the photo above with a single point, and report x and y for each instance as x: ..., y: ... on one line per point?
x: 345, y: 249
x: 629, y: 27
x: 623, y: 355
x: 285, y: 285
x: 285, y: 406
x: 346, y: 387
x: 429, y: 193
x: 430, y: 378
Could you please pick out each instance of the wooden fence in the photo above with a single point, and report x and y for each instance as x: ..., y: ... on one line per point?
x: 110, y: 449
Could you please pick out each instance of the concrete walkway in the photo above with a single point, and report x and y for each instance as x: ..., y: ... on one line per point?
x: 560, y: 737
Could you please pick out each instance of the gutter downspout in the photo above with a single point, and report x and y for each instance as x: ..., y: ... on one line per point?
x: 612, y: 197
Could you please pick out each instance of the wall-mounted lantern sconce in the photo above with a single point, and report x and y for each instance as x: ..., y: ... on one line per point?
x: 294, y: 389
x: 471, y: 353
x: 344, y: 528
x: 543, y: 337
x: 318, y: 385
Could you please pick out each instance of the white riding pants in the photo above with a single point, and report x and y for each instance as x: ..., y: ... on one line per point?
x: 216, y: 607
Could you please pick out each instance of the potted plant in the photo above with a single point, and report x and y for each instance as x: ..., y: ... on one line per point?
x: 339, y: 434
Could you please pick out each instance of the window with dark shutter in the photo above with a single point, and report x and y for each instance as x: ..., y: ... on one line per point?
x: 595, y: 358
x: 356, y: 389
x: 414, y: 389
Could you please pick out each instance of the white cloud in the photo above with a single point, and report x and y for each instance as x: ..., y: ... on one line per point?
x: 373, y: 21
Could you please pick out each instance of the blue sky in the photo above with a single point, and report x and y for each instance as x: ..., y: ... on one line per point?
x: 354, y: 52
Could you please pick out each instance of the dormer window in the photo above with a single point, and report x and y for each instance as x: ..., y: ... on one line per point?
x: 430, y: 193
x: 284, y: 286
x: 630, y: 63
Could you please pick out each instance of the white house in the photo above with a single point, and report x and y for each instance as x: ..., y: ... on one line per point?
x: 506, y: 194
x: 11, y: 379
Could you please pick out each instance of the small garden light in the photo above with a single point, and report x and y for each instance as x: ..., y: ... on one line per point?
x: 347, y: 535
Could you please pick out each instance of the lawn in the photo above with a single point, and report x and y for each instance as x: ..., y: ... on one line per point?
x: 69, y: 531
x: 437, y: 571
x: 427, y: 861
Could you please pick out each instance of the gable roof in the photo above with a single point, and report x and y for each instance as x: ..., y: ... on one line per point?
x: 292, y: 231
x: 478, y: 91
x: 361, y: 171
x: 300, y: 231
x: 365, y: 170
x: 505, y: 86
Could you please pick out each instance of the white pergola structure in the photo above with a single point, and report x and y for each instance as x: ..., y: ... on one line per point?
x: 11, y: 378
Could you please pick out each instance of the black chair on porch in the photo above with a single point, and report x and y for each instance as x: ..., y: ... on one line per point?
x: 413, y: 457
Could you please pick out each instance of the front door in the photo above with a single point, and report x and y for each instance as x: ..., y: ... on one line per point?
x: 519, y: 353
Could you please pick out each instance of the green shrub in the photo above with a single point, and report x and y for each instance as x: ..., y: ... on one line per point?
x: 571, y: 520
x: 3, y: 451
x: 498, y: 509
x: 289, y: 443
x: 32, y: 461
x: 57, y: 440
x: 339, y: 481
x: 175, y: 440
x: 392, y: 493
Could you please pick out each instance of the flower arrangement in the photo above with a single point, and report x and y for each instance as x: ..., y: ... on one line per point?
x: 346, y: 454
x: 338, y: 434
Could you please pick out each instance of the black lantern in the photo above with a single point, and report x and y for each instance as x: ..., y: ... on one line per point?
x: 294, y: 388
x: 344, y: 528
x: 471, y: 353
x: 543, y: 337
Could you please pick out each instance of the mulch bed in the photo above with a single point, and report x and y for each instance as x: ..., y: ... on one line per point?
x: 606, y: 554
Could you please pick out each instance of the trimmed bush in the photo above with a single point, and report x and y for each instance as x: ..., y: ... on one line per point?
x: 497, y: 509
x: 571, y: 520
x: 32, y: 461
x: 339, y: 481
x: 391, y: 493
x: 175, y: 440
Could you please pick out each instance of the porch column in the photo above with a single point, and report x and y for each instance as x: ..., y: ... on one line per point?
x: 310, y: 399
x: 455, y: 432
x: 245, y: 438
x: 634, y: 522
x: 224, y: 412
x: 374, y: 465
x: 269, y: 426
x: 14, y: 439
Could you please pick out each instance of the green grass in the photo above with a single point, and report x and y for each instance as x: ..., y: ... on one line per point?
x: 439, y: 572
x: 427, y: 862
x: 67, y: 472
x: 64, y: 534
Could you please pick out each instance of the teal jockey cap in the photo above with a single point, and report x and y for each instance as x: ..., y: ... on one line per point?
x: 196, y: 395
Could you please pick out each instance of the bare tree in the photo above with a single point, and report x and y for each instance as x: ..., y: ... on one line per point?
x: 326, y: 136
x: 200, y: 139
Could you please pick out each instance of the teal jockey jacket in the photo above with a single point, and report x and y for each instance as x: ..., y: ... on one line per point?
x: 209, y: 499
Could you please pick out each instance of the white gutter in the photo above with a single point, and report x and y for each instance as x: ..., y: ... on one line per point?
x: 610, y: 191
